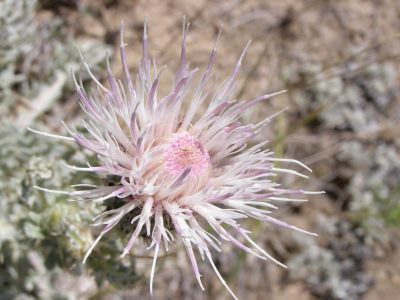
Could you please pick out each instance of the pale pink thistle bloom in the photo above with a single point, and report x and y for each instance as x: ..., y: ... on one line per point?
x: 186, y: 153
x: 177, y: 163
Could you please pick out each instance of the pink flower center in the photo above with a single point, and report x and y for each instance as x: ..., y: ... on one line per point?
x: 186, y: 152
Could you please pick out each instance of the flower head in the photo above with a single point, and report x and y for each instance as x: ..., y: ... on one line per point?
x: 176, y: 168
x: 185, y: 152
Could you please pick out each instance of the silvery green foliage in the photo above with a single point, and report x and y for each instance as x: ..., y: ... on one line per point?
x: 365, y: 107
x: 375, y: 199
x: 361, y: 104
x: 15, y: 36
x: 33, y: 53
x: 44, y: 237
x: 349, y: 101
x: 336, y: 271
x: 34, y: 244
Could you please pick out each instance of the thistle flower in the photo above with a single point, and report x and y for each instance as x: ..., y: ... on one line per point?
x: 179, y: 171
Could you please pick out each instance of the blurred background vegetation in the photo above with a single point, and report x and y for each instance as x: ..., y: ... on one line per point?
x: 339, y: 61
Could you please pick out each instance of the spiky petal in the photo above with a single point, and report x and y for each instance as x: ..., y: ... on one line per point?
x: 178, y: 165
